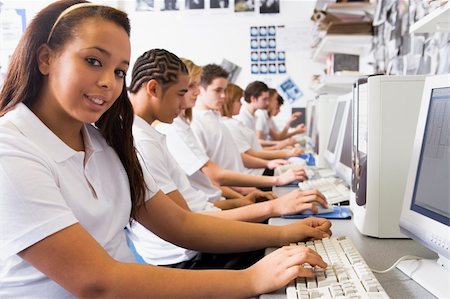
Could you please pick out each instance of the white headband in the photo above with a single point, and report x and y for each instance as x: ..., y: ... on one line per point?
x: 68, y: 10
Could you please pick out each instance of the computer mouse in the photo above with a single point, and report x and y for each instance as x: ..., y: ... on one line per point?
x: 320, y: 210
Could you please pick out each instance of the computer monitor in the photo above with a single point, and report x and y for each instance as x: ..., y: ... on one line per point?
x: 425, y: 215
x: 385, y: 113
x: 344, y: 163
x: 311, y: 124
x: 336, y: 132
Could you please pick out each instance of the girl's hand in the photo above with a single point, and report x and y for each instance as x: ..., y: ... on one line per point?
x: 298, y: 201
x: 293, y: 174
x: 280, y: 267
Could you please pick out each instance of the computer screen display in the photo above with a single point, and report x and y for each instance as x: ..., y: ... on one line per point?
x: 426, y: 205
x: 431, y: 196
x: 336, y: 127
x: 346, y: 152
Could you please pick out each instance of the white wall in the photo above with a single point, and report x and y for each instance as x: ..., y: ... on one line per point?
x: 208, y: 36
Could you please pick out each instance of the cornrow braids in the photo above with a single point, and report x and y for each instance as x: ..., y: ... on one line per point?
x: 156, y: 64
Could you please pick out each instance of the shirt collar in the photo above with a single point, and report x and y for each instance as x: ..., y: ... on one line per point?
x: 34, y: 129
x: 140, y: 124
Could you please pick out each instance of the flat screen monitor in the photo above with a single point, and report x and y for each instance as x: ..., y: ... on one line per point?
x: 301, y: 119
x: 426, y: 207
x: 330, y: 154
x: 344, y: 164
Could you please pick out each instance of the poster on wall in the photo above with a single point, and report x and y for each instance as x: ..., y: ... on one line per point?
x: 170, y: 5
x: 265, y: 58
x: 269, y: 6
x: 244, y: 5
x: 195, y: 4
x: 290, y: 90
x: 219, y: 3
x: 145, y: 5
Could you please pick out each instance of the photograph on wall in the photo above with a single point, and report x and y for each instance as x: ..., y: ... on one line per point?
x: 262, y: 30
x: 244, y: 5
x: 232, y: 69
x: 290, y: 90
x: 269, y: 6
x: 170, y: 5
x: 218, y: 3
x: 282, y: 68
x: 195, y: 4
x: 145, y: 5
x: 255, y: 69
x: 254, y: 31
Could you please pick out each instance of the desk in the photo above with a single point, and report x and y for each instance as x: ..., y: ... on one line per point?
x: 379, y: 254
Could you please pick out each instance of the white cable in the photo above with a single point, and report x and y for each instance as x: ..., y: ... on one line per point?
x: 403, y: 258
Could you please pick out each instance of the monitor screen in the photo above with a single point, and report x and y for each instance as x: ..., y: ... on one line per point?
x: 301, y: 119
x: 336, y: 127
x: 431, y: 189
x: 426, y: 205
x: 346, y: 152
x: 311, y: 123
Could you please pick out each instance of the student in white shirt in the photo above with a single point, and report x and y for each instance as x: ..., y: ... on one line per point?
x: 157, y: 90
x: 245, y: 137
x: 68, y: 188
x: 192, y: 158
x: 266, y: 128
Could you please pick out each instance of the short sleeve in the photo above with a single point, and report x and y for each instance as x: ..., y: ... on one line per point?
x: 153, y: 159
x: 31, y: 206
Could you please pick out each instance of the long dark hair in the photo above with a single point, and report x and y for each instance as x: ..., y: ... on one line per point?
x: 24, y: 81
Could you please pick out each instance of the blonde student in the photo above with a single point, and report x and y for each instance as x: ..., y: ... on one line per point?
x: 158, y: 85
x: 190, y: 155
x: 68, y: 187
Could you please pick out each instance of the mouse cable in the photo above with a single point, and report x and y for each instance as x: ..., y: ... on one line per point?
x: 403, y: 258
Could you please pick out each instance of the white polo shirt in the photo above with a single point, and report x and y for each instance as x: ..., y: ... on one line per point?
x: 189, y: 155
x: 244, y: 138
x: 216, y: 140
x: 169, y: 176
x: 246, y: 117
x: 46, y: 186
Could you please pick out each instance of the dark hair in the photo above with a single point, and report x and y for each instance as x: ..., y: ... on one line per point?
x: 156, y: 64
x: 234, y: 93
x: 255, y: 89
x: 211, y: 72
x: 280, y: 100
x: 24, y: 81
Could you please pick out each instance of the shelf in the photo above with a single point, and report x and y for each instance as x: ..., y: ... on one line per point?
x: 350, y: 7
x: 334, y: 85
x: 436, y: 21
x: 345, y: 44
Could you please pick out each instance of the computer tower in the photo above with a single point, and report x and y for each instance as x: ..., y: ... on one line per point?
x: 385, y: 112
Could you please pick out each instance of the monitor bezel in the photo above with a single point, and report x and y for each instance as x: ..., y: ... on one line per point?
x: 331, y: 157
x: 425, y: 230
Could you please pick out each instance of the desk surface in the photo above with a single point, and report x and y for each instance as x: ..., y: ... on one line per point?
x: 379, y: 254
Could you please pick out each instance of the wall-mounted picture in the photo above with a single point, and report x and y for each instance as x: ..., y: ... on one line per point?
x: 170, y: 5
x: 281, y: 68
x: 218, y: 3
x: 254, y: 56
x: 272, y: 55
x: 272, y: 43
x: 262, y: 30
x: 272, y: 68
x: 281, y: 56
x: 232, y: 69
x: 272, y: 31
x: 290, y: 90
x: 254, y: 31
x: 254, y: 43
x: 244, y: 5
x: 145, y: 5
x: 255, y: 68
x: 269, y: 6
x: 263, y: 43
x: 263, y: 69
x: 195, y: 4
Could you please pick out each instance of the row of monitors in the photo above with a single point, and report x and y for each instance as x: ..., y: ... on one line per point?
x: 390, y: 141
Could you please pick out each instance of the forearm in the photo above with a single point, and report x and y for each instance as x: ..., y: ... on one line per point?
x: 253, y: 162
x: 139, y: 281
x: 232, y: 178
x: 269, y: 154
x: 228, y: 193
x: 251, y: 213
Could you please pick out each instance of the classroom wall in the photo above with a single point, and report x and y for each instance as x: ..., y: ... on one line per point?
x: 208, y: 36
